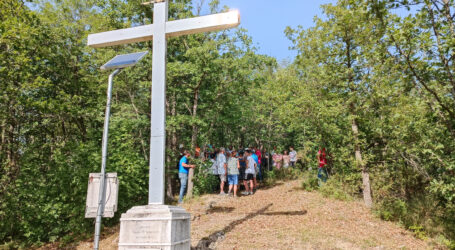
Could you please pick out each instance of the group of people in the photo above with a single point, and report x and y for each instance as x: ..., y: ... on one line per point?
x: 287, y: 159
x: 236, y: 167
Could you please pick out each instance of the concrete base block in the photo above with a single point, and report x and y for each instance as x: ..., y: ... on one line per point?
x: 155, y: 227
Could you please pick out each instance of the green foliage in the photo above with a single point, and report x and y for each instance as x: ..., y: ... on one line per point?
x: 378, y: 102
x: 443, y: 241
x: 270, y: 177
x: 293, y: 173
x: 392, y: 209
x: 310, y: 181
x: 273, y: 176
x: 335, y: 189
x: 419, y: 232
x: 204, y: 181
x: 52, y: 101
x: 46, y: 120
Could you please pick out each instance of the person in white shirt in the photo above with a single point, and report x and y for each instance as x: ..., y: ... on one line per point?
x: 293, y: 156
x: 222, y: 167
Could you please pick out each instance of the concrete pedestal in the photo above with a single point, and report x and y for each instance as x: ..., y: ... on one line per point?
x: 155, y: 227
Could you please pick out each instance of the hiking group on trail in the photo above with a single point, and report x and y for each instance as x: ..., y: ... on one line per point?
x: 243, y: 166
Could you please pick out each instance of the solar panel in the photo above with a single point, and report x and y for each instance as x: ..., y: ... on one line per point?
x: 122, y: 61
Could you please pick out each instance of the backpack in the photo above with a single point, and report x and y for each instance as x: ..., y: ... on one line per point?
x: 232, y: 166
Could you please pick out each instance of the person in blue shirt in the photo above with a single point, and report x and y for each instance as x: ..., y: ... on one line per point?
x: 183, y: 173
x: 256, y: 159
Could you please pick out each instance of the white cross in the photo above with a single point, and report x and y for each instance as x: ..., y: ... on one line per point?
x: 159, y: 31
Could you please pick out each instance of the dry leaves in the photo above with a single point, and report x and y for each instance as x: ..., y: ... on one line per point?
x: 285, y: 217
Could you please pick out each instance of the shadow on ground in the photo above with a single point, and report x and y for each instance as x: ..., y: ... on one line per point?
x: 303, y: 212
x: 296, y: 189
x: 218, y: 209
x: 209, y: 241
x: 265, y: 187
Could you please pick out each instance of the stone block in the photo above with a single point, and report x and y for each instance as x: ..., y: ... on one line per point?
x: 155, y: 227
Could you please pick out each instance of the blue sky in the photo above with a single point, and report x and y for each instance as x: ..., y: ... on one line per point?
x: 266, y: 21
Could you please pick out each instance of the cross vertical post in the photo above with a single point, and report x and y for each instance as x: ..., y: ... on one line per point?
x: 158, y: 100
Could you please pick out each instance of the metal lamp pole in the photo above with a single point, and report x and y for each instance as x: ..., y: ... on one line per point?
x: 103, y: 159
x: 117, y: 63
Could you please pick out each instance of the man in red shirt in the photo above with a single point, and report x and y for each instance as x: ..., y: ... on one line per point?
x: 322, y: 160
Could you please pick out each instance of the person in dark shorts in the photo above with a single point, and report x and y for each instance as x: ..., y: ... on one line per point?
x: 250, y: 171
x: 293, y: 156
x: 242, y: 169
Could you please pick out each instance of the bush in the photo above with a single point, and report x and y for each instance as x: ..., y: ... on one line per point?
x: 203, y: 180
x: 392, y: 209
x: 292, y: 173
x: 421, y: 214
x: 310, y: 181
x: 335, y: 189
x: 443, y: 241
x: 419, y: 232
x: 272, y: 176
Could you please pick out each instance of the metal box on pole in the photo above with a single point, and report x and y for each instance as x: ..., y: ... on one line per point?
x: 110, y: 195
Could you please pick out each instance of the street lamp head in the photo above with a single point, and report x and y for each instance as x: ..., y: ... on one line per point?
x: 123, y: 61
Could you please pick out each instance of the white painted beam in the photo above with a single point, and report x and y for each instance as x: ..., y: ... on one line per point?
x: 203, y: 24
x: 123, y: 36
x: 158, y: 116
x: 173, y: 28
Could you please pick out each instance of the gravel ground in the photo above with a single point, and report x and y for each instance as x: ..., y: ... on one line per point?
x: 286, y: 217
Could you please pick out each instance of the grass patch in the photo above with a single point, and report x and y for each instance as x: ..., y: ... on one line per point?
x: 335, y: 189
x: 310, y: 181
x: 369, y: 243
x: 273, y: 176
x: 421, y: 215
x: 309, y: 235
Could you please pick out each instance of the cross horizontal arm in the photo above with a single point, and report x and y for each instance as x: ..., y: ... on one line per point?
x: 123, y: 36
x: 203, y: 24
x: 173, y: 28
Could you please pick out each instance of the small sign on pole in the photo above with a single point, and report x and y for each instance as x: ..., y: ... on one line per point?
x: 110, y: 198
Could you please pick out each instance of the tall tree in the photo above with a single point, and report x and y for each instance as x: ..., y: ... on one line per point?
x: 339, y: 46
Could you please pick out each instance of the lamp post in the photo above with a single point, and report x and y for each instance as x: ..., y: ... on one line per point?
x: 117, y: 63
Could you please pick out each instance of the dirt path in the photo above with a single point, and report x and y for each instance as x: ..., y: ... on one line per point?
x: 285, y: 217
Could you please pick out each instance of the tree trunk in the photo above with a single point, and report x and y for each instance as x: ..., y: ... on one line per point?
x: 365, y: 174
x: 168, y: 172
x: 366, y: 188
x: 2, y: 138
x: 173, y: 145
x: 193, y: 142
